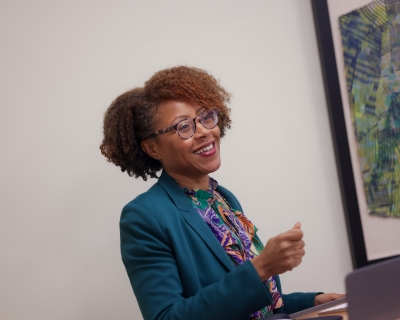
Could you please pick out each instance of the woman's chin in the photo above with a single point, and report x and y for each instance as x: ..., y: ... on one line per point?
x: 214, y: 166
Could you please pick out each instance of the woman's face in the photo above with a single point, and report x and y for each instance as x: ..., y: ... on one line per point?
x: 185, y: 158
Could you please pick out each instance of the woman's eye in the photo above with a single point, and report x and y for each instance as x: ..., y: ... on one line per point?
x: 184, y: 127
x: 208, y: 116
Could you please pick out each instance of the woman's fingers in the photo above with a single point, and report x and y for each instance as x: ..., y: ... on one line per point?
x: 281, y: 253
x: 297, y: 225
x: 298, y: 244
x: 299, y: 253
x: 327, y: 297
x: 292, y: 235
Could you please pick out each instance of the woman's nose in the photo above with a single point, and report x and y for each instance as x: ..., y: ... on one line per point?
x: 200, y: 129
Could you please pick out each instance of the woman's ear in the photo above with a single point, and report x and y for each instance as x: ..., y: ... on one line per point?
x: 150, y: 148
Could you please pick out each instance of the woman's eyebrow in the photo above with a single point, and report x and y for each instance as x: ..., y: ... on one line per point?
x: 178, y: 117
x: 186, y: 117
x: 199, y: 109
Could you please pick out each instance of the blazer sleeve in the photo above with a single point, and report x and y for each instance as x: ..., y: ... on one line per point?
x: 293, y: 302
x: 298, y: 301
x: 154, y: 275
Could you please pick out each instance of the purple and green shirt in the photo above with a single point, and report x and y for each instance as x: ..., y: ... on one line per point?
x: 236, y: 234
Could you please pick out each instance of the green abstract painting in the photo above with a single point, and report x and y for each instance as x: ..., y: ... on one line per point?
x: 371, y: 49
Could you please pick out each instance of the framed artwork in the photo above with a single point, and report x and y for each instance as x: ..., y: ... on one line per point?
x: 359, y: 45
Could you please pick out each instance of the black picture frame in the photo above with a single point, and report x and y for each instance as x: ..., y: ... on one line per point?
x: 339, y: 135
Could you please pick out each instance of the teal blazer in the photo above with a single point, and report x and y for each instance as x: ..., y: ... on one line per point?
x: 178, y: 269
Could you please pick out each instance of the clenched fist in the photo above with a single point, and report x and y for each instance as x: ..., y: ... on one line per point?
x: 281, y: 253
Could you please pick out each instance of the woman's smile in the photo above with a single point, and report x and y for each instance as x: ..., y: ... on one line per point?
x: 193, y: 158
x: 206, y: 150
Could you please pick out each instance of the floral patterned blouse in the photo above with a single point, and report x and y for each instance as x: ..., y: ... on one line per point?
x: 236, y: 234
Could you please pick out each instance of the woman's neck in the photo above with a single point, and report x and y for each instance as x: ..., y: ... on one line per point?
x: 201, y: 182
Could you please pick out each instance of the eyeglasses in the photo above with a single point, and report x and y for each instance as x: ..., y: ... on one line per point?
x: 186, y: 128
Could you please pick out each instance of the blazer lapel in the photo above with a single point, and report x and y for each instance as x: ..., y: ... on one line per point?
x: 193, y: 219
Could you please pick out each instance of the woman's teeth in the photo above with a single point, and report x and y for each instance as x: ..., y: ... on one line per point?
x: 204, y: 149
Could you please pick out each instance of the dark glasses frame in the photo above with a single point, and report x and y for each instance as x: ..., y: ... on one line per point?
x: 175, y: 126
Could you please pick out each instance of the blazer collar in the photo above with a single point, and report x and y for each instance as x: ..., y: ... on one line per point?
x: 193, y: 219
x: 175, y: 192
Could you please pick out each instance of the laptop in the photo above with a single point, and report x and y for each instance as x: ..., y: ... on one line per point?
x: 373, y: 292
x: 319, y: 308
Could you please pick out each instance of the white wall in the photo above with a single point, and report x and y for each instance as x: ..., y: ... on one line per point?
x: 63, y: 62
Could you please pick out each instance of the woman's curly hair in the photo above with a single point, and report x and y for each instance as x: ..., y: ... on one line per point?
x: 130, y: 118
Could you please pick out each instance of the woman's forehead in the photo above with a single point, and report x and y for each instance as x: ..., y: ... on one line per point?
x: 171, y: 110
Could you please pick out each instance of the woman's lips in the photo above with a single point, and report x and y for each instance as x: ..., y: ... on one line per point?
x: 207, y: 150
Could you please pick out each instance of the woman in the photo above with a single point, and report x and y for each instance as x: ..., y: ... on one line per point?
x: 189, y: 251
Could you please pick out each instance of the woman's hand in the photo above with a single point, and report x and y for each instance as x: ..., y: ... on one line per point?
x: 327, y: 297
x: 281, y: 253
